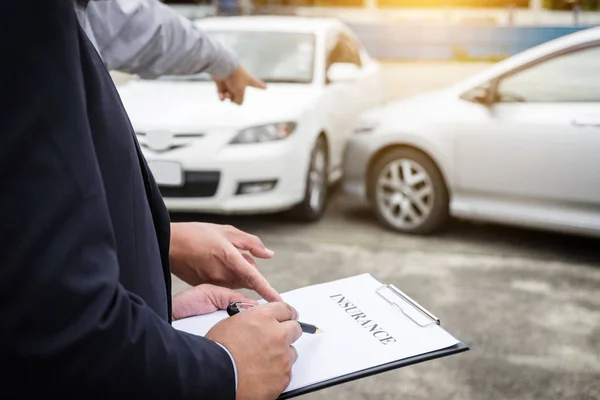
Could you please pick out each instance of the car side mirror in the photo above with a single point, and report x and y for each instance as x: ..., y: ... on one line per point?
x: 480, y: 95
x: 343, y: 72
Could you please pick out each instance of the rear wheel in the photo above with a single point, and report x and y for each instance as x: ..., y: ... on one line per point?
x: 313, y: 205
x: 408, y: 192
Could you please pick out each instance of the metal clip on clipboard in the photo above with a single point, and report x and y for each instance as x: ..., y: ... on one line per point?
x: 422, y: 317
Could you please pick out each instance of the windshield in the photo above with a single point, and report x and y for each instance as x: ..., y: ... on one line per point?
x: 282, y: 57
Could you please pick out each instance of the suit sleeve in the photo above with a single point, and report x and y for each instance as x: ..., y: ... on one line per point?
x: 68, y: 327
x: 149, y: 38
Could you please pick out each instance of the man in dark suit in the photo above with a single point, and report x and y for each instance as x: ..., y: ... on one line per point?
x: 87, y: 249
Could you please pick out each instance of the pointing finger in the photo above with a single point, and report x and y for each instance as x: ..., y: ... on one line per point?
x: 260, y: 285
x: 251, y: 80
x: 253, y: 279
x: 257, y: 83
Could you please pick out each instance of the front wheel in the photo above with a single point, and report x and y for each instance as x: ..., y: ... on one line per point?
x: 313, y: 205
x: 408, y: 192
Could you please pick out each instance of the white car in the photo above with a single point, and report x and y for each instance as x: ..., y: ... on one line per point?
x: 282, y: 148
x: 517, y: 144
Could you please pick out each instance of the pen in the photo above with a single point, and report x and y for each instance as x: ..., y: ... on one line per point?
x: 234, y: 308
x: 308, y: 328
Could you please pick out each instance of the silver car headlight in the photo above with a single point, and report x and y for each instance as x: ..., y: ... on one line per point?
x: 264, y: 133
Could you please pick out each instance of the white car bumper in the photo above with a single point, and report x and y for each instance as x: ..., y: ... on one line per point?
x: 215, y: 182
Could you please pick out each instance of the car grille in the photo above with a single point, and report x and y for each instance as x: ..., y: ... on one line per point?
x: 196, y: 184
x: 178, y: 140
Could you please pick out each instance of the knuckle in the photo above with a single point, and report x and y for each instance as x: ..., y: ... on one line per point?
x: 292, y: 311
x: 251, y: 280
x: 281, y: 339
x: 229, y: 228
x: 264, y: 312
x: 294, y: 354
x: 298, y: 331
x: 255, y: 238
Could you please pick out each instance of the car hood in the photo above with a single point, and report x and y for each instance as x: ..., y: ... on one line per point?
x: 414, y: 109
x: 191, y: 105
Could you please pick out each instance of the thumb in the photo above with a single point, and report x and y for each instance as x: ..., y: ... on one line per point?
x: 252, y: 243
x: 221, y: 89
x: 221, y: 297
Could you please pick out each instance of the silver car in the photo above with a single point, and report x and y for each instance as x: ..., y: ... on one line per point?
x: 517, y: 144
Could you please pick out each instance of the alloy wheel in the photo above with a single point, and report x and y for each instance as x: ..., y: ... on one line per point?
x: 405, y: 193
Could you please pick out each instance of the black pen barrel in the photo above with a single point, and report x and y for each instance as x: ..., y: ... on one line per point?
x: 308, y: 328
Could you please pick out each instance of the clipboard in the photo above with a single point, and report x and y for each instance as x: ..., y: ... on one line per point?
x: 390, y: 293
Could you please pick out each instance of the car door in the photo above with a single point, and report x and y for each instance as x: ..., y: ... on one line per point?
x: 540, y: 142
x: 340, y: 98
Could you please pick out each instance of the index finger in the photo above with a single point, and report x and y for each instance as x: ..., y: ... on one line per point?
x: 254, y: 280
x: 257, y: 83
x: 260, y: 285
x: 281, y: 311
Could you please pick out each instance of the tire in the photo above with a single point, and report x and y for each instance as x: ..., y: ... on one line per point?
x: 314, y: 203
x: 408, y: 193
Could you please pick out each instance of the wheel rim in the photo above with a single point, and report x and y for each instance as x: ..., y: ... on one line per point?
x: 405, y: 193
x: 316, y: 179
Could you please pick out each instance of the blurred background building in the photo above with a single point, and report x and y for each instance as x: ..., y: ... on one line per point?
x: 466, y: 30
x: 406, y: 5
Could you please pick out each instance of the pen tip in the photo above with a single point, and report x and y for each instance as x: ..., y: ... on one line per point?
x: 319, y: 330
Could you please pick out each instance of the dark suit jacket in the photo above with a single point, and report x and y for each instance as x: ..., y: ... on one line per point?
x: 84, y: 234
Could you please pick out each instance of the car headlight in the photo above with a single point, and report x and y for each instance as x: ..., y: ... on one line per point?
x: 265, y: 133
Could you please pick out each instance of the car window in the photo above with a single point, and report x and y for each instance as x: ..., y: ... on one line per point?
x: 345, y: 50
x: 356, y: 47
x: 570, y: 77
x: 274, y: 57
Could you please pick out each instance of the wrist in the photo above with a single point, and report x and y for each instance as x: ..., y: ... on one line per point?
x: 235, y: 372
x: 224, y: 67
x: 174, y: 248
x: 180, y: 264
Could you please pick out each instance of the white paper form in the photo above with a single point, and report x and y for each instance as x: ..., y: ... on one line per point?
x: 361, y: 330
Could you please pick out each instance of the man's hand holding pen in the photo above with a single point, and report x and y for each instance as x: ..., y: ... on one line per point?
x: 236, y: 306
x: 260, y: 341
